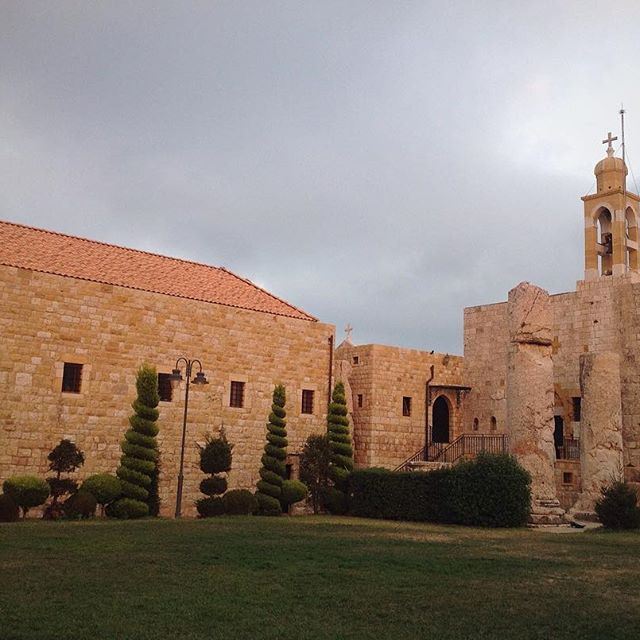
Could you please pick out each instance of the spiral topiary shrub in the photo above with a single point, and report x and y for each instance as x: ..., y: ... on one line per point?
x: 215, y: 459
x: 273, y: 471
x: 9, y: 511
x: 127, y: 509
x: 26, y: 491
x: 104, y: 487
x: 139, y: 447
x: 239, y: 502
x: 340, y: 440
x: 80, y: 505
x: 293, y: 491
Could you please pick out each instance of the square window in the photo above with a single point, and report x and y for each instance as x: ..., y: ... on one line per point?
x: 356, y: 360
x: 236, y: 399
x: 360, y: 401
x: 577, y: 408
x: 567, y: 477
x: 406, y: 406
x: 165, y: 390
x: 71, y: 377
x: 307, y: 401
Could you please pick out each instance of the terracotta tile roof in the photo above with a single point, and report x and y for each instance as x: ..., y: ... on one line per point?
x: 60, y: 254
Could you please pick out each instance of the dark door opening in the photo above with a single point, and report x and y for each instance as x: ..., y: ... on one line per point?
x: 440, y: 431
x: 558, y: 434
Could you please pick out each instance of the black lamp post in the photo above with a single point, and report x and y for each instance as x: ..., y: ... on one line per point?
x: 200, y: 378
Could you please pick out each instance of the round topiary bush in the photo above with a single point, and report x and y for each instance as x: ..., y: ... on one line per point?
x: 293, y: 491
x: 139, y: 448
x: 104, y: 487
x: 80, y: 505
x: 9, y: 511
x: 213, y: 486
x: 239, y: 502
x: 273, y: 470
x: 618, y: 507
x: 26, y: 491
x: 210, y: 506
x: 128, y: 509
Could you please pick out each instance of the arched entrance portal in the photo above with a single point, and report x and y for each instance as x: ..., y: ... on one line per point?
x: 440, y: 432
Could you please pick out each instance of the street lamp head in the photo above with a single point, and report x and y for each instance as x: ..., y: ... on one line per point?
x: 200, y: 378
x: 176, y: 376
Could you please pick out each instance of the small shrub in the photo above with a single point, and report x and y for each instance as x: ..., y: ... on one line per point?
x: 104, y: 487
x: 9, y: 511
x: 80, y: 505
x: 293, y: 491
x: 618, y: 507
x: 210, y: 507
x: 26, y: 491
x: 239, y: 502
x: 128, y: 509
x: 315, y: 463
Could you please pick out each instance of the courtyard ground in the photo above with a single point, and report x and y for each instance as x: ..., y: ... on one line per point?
x: 313, y: 577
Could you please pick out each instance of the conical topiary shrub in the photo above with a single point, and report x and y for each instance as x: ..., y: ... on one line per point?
x: 139, y: 448
x: 341, y: 450
x: 215, y: 459
x: 273, y: 471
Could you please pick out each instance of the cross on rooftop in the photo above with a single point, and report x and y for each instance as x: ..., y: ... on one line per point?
x: 348, y: 330
x: 609, y: 140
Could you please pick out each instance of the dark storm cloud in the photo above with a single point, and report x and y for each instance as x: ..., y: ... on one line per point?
x: 380, y: 163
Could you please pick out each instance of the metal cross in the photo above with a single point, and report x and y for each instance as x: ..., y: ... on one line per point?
x: 348, y: 330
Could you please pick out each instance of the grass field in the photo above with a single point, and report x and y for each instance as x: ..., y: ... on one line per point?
x: 311, y: 577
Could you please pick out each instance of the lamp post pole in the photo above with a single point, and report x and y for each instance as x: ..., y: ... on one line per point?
x: 199, y: 379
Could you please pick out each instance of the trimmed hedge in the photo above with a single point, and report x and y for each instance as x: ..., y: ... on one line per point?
x: 491, y: 491
x: 239, y: 502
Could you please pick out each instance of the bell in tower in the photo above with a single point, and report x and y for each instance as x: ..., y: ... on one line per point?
x: 610, y: 221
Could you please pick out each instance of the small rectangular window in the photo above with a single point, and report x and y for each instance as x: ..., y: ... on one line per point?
x: 165, y: 390
x: 307, y: 401
x: 406, y: 406
x: 236, y: 398
x: 577, y: 409
x: 567, y: 477
x: 71, y: 377
x: 356, y: 360
x: 360, y: 401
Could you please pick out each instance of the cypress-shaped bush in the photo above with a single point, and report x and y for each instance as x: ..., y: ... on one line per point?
x: 340, y: 440
x: 273, y: 471
x: 139, y: 447
x: 215, y: 459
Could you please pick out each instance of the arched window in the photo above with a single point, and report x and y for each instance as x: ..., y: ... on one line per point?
x: 476, y: 424
x: 494, y: 423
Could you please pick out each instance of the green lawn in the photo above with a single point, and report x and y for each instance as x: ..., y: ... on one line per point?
x: 311, y: 577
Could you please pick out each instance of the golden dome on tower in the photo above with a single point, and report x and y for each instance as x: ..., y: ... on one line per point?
x: 610, y: 172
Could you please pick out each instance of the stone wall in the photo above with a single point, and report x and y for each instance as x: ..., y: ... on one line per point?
x: 46, y: 320
x: 383, y: 375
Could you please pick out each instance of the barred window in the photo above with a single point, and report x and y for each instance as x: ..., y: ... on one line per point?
x: 236, y: 398
x: 360, y: 401
x: 165, y: 390
x: 71, y: 377
x: 406, y: 406
x: 307, y: 401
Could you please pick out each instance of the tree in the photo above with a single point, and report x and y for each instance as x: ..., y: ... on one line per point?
x: 340, y: 440
x: 65, y: 457
x: 314, y: 467
x: 215, y: 459
x: 139, y: 448
x: 273, y: 471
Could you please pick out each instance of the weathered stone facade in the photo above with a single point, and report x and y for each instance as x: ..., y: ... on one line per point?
x: 47, y: 320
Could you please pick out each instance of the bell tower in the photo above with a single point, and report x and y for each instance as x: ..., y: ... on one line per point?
x: 610, y: 221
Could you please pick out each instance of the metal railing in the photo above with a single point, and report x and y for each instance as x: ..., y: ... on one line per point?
x: 569, y: 449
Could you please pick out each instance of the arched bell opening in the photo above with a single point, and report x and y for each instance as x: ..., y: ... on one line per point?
x: 604, y: 239
x: 631, y: 239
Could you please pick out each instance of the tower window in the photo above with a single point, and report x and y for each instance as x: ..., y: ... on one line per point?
x: 360, y: 401
x: 476, y: 424
x: 577, y: 409
x: 307, y: 401
x: 236, y: 398
x: 406, y: 406
x: 494, y: 423
x: 165, y: 390
x: 356, y: 360
x: 71, y: 377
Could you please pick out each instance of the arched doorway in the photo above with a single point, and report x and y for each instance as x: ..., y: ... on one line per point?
x: 440, y: 432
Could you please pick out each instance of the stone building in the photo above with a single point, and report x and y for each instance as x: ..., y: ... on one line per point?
x: 554, y: 379
x: 78, y: 317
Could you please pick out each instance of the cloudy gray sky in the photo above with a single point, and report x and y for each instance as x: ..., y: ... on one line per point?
x: 380, y: 163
